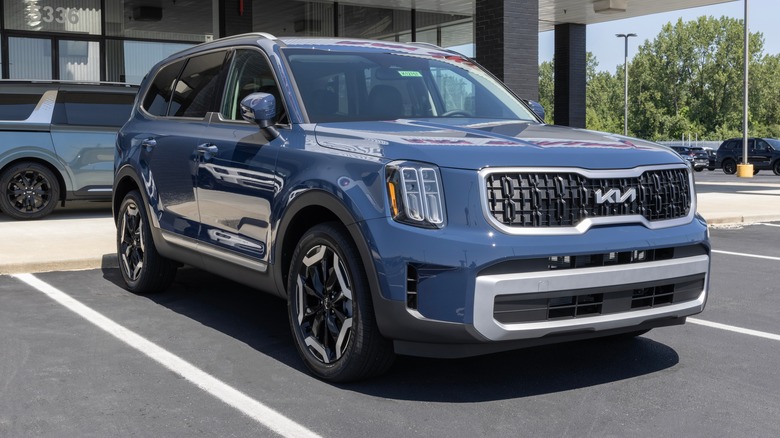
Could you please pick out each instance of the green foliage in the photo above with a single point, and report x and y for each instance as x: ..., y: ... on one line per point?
x: 687, y: 81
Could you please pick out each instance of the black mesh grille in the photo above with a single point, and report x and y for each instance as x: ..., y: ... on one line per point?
x: 564, y: 199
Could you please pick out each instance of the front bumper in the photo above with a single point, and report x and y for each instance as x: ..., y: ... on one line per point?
x: 461, y: 281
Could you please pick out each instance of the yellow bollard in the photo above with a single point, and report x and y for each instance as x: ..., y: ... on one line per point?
x: 745, y: 170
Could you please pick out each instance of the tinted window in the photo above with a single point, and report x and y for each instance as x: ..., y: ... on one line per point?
x: 17, y: 106
x: 159, y: 95
x: 198, y: 86
x: 94, y: 109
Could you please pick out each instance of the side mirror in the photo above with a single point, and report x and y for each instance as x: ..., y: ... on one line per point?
x: 536, y: 107
x: 259, y: 108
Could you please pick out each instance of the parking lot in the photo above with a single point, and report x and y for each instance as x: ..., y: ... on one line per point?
x: 84, y: 357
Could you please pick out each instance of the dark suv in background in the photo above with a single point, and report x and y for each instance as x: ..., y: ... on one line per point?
x: 57, y: 143
x: 697, y: 157
x: 763, y: 154
x: 401, y: 200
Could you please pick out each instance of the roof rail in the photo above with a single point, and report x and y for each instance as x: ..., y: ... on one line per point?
x: 434, y: 46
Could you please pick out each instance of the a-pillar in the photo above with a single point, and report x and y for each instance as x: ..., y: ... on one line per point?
x: 570, y: 70
x: 506, y: 33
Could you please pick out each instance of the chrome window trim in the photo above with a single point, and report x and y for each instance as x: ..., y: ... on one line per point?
x: 589, y: 223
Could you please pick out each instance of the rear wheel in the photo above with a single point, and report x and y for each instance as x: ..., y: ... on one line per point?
x: 776, y: 167
x: 330, y: 308
x: 143, y: 268
x: 29, y: 191
x: 730, y: 167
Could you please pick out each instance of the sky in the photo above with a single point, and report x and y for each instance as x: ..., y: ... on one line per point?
x: 608, y: 49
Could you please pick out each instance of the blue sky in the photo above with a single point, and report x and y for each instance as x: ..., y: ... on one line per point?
x: 763, y: 17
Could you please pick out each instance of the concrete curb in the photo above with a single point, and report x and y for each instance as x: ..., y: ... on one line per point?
x: 107, y: 261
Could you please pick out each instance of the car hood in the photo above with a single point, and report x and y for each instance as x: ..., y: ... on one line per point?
x: 475, y: 144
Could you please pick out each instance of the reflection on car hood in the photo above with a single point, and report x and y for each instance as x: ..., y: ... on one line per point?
x: 477, y: 143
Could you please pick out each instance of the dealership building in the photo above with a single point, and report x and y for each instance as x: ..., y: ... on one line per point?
x: 119, y: 40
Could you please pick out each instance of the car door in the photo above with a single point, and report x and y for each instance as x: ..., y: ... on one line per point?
x: 760, y: 154
x: 169, y: 141
x: 236, y: 180
x: 84, y: 130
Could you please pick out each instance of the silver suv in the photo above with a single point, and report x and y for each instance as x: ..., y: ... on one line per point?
x: 57, y: 143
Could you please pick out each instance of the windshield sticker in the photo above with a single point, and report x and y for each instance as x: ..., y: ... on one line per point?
x: 410, y: 73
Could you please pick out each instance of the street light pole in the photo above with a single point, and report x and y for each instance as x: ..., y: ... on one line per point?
x: 625, y: 75
x: 745, y: 169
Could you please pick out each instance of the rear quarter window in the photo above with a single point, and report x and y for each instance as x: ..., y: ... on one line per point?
x: 93, y: 109
x: 158, y: 97
x: 17, y: 106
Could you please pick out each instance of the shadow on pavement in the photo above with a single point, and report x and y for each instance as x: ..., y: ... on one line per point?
x: 260, y: 321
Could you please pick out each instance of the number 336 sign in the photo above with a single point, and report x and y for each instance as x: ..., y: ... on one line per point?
x: 80, y: 16
x: 49, y: 14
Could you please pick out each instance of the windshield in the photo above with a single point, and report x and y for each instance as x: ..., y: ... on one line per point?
x: 775, y: 143
x: 343, y: 86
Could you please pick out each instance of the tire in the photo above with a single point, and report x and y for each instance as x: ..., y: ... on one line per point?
x: 776, y: 167
x: 330, y: 309
x: 698, y: 169
x: 143, y: 268
x: 729, y: 167
x: 755, y: 171
x: 29, y: 191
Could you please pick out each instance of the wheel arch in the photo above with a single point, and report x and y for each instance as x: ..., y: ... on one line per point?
x: 124, y: 183
x: 311, y: 208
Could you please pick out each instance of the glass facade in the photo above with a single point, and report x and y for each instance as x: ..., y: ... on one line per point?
x: 119, y: 40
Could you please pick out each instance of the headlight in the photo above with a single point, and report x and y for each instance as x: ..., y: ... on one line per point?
x: 415, y: 194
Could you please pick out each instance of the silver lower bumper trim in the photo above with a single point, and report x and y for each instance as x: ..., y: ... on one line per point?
x: 488, y: 287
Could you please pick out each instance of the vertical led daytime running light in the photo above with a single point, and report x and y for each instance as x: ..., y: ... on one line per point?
x: 415, y: 194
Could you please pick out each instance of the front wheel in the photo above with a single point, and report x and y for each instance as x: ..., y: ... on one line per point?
x: 330, y: 308
x: 776, y: 168
x: 29, y: 191
x: 143, y: 268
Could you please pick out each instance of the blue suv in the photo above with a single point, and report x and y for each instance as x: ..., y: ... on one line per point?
x: 401, y: 200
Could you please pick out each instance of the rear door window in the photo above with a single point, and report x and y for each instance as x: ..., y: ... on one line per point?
x: 196, y: 90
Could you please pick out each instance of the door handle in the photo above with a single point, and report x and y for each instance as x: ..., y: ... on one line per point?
x: 149, y: 143
x: 207, y: 151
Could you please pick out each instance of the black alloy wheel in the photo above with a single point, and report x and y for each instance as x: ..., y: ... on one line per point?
x: 143, y: 269
x: 729, y: 167
x: 30, y: 191
x: 330, y: 310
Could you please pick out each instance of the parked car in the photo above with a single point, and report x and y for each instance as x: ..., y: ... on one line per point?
x: 402, y: 201
x: 57, y: 143
x: 697, y: 157
x: 763, y: 154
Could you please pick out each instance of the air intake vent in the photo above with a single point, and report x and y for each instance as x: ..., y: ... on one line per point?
x: 411, y: 287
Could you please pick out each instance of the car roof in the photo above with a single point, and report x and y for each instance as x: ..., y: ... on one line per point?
x: 321, y: 43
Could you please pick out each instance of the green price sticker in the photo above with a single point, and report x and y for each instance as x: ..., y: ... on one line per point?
x: 410, y: 73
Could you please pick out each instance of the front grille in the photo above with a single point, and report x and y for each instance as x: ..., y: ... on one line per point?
x: 519, y: 199
x: 562, y: 305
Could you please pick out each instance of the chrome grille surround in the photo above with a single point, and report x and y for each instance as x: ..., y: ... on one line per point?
x: 562, y: 200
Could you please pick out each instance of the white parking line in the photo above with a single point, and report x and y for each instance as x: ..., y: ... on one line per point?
x: 746, y: 255
x: 735, y: 329
x: 233, y: 397
x: 770, y: 225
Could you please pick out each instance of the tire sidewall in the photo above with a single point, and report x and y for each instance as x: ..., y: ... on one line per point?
x: 335, y: 240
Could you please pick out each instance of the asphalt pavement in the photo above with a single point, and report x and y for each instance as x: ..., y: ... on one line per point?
x: 83, y: 235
